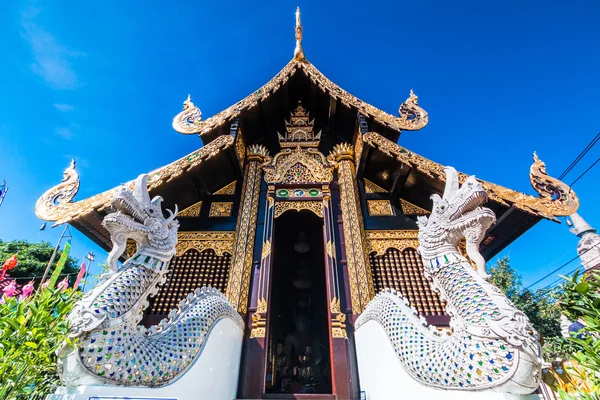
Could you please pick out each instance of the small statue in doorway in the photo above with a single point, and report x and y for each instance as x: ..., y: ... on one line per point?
x: 303, y: 347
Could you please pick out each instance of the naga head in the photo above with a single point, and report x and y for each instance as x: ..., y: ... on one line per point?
x: 457, y: 214
x: 139, y: 218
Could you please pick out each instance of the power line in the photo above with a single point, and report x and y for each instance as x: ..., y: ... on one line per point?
x: 561, y: 267
x: 585, y: 172
x: 580, y: 156
x: 555, y: 282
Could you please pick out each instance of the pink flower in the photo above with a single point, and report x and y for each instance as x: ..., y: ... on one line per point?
x: 27, y: 290
x: 63, y: 285
x: 10, y: 289
x: 45, y: 284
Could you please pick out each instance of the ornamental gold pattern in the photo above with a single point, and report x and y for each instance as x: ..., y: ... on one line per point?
x: 241, y: 266
x: 409, y: 208
x: 227, y: 189
x: 192, y: 211
x: 221, y: 209
x: 412, y: 116
x: 359, y: 270
x: 315, y: 206
x: 298, y: 166
x: 65, y: 211
x: 564, y: 203
x: 220, y: 241
x: 379, y: 208
x: 370, y: 187
x: 379, y: 241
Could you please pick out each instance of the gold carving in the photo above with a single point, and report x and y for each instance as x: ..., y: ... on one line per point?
x: 359, y: 270
x: 412, y: 116
x: 240, y: 148
x: 550, y: 188
x: 259, y: 153
x: 298, y: 166
x: 380, y: 241
x: 220, y: 241
x: 47, y: 209
x: 341, y: 151
x: 330, y: 249
x: 241, y: 264
x: 299, y: 130
x: 379, y: 207
x: 316, y: 206
x: 266, y: 250
x: 191, y: 211
x: 370, y: 187
x: 261, y: 305
x: 409, y: 208
x: 227, y: 189
x: 221, y: 209
x: 259, y: 320
x: 338, y: 320
x: 566, y: 204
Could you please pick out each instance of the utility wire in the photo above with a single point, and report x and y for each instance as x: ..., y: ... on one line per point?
x: 580, y: 156
x: 555, y: 282
x: 585, y: 172
x: 561, y: 267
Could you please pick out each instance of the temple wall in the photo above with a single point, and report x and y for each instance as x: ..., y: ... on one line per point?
x: 383, y: 378
x: 214, y: 374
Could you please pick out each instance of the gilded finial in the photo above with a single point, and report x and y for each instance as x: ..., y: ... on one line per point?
x: 298, y: 51
x: 188, y: 121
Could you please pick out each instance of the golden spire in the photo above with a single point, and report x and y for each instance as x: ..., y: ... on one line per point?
x: 298, y: 51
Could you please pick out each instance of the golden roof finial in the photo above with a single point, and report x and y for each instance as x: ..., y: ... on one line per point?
x: 298, y: 51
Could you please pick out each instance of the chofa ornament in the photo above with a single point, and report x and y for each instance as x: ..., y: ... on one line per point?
x: 493, y: 346
x: 111, y: 347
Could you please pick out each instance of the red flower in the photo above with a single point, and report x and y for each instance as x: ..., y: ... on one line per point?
x: 11, y: 263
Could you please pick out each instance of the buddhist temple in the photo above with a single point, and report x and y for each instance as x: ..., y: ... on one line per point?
x: 300, y: 206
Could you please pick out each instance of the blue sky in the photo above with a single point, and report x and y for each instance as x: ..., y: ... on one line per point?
x: 101, y: 81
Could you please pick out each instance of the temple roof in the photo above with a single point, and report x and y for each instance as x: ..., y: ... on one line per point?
x: 341, y: 117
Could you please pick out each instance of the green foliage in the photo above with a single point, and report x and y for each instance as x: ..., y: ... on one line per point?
x: 539, y: 306
x: 581, y: 301
x: 30, y: 333
x: 33, y: 259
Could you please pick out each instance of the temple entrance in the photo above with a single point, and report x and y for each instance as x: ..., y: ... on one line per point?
x: 298, y: 338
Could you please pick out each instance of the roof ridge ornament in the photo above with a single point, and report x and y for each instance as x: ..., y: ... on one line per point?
x: 298, y: 51
x: 299, y: 130
x: 189, y: 120
x: 551, y: 188
x: 49, y: 205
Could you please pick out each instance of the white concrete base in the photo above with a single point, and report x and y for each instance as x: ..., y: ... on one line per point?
x: 382, y: 377
x: 214, y: 374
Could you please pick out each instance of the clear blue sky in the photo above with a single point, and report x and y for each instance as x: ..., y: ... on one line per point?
x: 101, y: 82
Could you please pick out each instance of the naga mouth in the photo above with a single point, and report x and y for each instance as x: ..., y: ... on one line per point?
x: 126, y: 210
x: 470, y: 206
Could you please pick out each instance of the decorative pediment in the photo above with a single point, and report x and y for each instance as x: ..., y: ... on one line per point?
x: 227, y: 189
x: 300, y: 165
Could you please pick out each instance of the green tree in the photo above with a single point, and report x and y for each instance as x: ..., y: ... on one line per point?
x: 581, y: 301
x: 541, y: 306
x: 33, y: 259
x: 30, y: 333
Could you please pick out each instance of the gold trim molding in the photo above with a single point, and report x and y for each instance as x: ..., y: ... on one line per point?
x: 47, y: 209
x: 220, y: 241
x: 381, y: 240
x: 558, y: 199
x: 315, y: 206
x: 411, y: 116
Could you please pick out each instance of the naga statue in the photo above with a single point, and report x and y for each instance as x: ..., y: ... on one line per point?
x: 110, y: 347
x: 493, y: 345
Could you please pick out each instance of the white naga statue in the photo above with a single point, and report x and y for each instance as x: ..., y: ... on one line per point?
x: 493, y: 346
x: 111, y: 348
